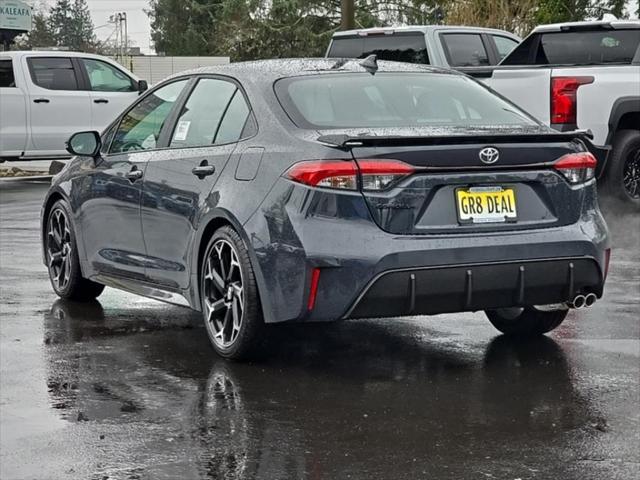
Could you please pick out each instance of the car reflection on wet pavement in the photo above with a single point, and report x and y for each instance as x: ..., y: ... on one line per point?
x: 128, y: 388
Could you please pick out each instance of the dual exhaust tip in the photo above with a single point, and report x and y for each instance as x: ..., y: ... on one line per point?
x: 583, y: 301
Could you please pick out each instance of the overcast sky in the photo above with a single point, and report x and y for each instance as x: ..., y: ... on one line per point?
x: 139, y: 28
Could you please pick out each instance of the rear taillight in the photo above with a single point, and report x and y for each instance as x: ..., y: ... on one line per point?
x: 343, y: 174
x: 564, y: 93
x: 577, y: 167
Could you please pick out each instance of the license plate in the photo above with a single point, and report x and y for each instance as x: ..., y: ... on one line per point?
x: 486, y: 205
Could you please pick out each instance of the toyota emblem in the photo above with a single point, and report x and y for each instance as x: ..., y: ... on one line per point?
x: 489, y: 155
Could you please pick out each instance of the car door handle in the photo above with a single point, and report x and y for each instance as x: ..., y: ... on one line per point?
x: 204, y: 170
x: 101, y: 100
x: 135, y: 174
x: 41, y: 100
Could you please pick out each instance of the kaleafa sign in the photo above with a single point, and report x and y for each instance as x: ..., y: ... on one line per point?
x: 15, y: 15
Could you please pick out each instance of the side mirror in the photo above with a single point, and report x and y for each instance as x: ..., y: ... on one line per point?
x: 143, y: 86
x: 85, y: 144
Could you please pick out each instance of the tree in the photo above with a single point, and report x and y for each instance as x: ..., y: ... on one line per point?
x: 184, y: 27
x: 71, y: 25
x: 555, y: 11
x: 40, y: 34
x: 253, y: 29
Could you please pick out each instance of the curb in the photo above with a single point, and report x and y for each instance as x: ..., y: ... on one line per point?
x: 27, y: 178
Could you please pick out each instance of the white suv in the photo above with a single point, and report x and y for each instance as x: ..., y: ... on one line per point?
x: 45, y: 97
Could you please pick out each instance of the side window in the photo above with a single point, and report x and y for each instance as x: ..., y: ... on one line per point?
x: 7, y: 79
x: 233, y: 124
x: 465, y: 50
x: 504, y: 45
x: 107, y: 137
x: 141, y: 127
x: 53, y: 73
x: 200, y: 118
x: 107, y: 78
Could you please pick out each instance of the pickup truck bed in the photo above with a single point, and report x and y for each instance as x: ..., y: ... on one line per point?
x: 593, y: 84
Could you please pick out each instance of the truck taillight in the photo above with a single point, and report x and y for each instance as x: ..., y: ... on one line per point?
x: 577, y: 167
x: 343, y: 174
x: 564, y: 94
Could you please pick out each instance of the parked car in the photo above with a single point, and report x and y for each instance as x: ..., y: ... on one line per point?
x: 582, y: 75
x: 439, y: 45
x: 47, y: 96
x: 317, y: 190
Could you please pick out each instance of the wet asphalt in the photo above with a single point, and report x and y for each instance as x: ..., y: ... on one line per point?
x: 128, y: 388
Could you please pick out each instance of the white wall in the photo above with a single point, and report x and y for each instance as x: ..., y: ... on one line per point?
x: 153, y: 69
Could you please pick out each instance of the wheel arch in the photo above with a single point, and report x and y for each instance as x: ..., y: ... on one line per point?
x: 215, y: 220
x: 625, y: 114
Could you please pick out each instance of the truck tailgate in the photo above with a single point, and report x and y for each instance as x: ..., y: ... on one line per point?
x: 528, y: 88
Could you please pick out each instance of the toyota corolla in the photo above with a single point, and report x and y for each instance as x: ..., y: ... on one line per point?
x: 318, y: 190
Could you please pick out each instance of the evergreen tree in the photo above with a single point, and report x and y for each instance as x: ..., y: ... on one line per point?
x: 71, y: 25
x: 40, y: 34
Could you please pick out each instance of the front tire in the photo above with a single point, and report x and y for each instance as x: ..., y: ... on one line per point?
x: 525, y: 322
x: 230, y: 302
x: 61, y: 255
x: 623, y: 171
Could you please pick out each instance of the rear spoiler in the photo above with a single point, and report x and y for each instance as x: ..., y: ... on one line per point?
x: 347, y: 142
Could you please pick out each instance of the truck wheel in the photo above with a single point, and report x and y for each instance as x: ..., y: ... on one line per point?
x: 623, y: 171
x: 525, y: 322
x: 61, y: 254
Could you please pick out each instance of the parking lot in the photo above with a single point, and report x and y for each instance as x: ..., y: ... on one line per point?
x: 129, y: 388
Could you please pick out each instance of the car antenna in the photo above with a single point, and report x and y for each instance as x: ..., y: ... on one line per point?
x: 370, y: 64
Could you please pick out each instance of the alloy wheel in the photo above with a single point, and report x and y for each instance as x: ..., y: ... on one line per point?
x: 631, y: 174
x: 223, y: 293
x: 59, y: 249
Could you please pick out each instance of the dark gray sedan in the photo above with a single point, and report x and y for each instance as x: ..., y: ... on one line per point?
x: 317, y: 190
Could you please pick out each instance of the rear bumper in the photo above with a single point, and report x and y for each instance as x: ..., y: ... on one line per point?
x: 367, y: 272
x: 480, y: 286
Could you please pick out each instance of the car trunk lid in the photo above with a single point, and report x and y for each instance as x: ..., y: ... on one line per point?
x: 481, y: 180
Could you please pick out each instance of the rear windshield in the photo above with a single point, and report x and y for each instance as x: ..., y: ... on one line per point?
x: 597, y: 47
x: 399, y: 47
x: 387, y: 99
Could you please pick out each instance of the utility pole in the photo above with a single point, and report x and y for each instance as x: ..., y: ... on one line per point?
x: 122, y: 34
x: 348, y: 14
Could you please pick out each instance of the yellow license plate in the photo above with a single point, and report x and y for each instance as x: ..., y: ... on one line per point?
x: 486, y: 205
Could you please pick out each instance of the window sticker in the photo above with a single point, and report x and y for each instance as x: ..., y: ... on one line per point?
x: 182, y: 130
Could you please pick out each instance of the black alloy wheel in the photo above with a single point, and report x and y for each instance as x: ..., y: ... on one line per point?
x: 223, y: 293
x: 631, y: 174
x: 59, y: 249
x: 230, y: 302
x: 61, y: 255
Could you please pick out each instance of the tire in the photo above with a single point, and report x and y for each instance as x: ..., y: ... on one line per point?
x: 622, y: 179
x: 525, y: 322
x: 229, y: 296
x: 61, y: 255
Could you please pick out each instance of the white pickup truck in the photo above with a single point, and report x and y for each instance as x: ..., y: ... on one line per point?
x: 438, y: 45
x: 582, y: 75
x: 45, y: 97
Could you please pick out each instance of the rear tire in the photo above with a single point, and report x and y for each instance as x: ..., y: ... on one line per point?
x: 622, y: 179
x: 229, y: 296
x: 525, y: 322
x: 61, y: 255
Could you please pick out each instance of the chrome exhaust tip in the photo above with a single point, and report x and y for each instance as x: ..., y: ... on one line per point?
x: 579, y: 301
x: 590, y: 299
